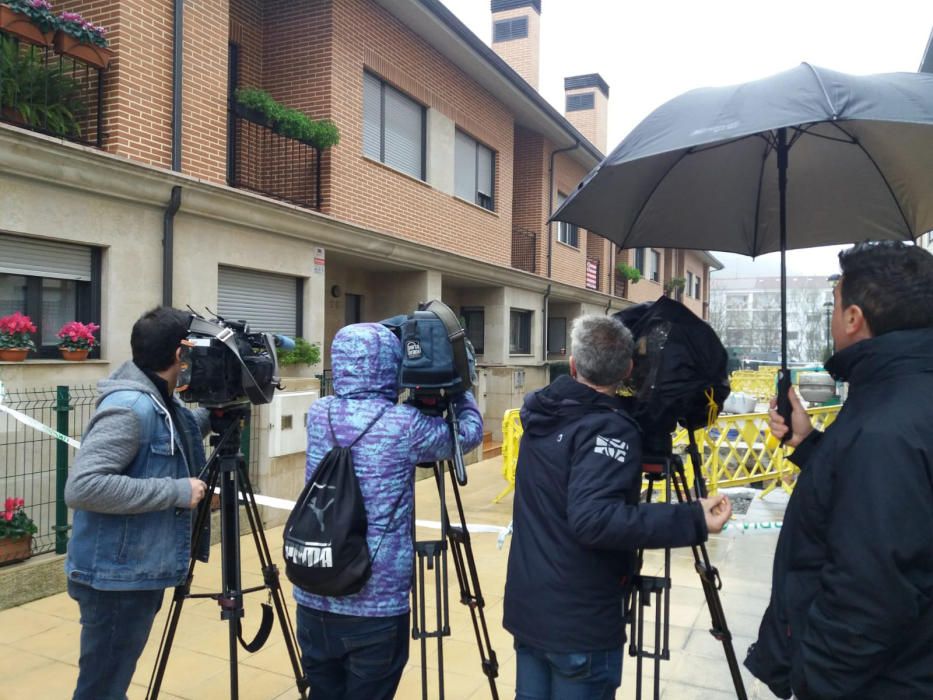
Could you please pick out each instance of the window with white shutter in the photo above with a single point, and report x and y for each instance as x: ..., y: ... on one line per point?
x: 267, y: 302
x: 474, y: 171
x: 393, y: 127
x: 51, y: 282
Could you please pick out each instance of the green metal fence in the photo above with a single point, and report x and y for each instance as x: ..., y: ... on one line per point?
x: 34, y: 465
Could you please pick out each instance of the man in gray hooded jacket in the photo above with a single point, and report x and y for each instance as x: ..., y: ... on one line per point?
x: 134, y: 491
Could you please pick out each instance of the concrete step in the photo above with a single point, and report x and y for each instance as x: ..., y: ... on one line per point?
x: 491, y: 449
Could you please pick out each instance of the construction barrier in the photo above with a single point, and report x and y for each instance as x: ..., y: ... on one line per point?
x: 739, y: 450
x: 759, y: 383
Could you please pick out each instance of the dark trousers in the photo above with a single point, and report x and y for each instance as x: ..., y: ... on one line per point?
x: 114, y: 628
x: 544, y: 675
x: 352, y: 658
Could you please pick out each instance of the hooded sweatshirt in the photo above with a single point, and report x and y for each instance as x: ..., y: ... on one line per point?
x: 577, y: 520
x: 365, y: 359
x: 130, y: 488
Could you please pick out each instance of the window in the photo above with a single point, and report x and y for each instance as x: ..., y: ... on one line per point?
x: 509, y: 29
x: 270, y: 303
x: 655, y: 272
x: 566, y: 233
x: 696, y: 287
x: 52, y: 283
x: 520, y: 332
x: 474, y: 171
x: 640, y: 261
x: 557, y: 335
x: 689, y: 284
x: 474, y: 323
x: 581, y: 101
x: 393, y: 127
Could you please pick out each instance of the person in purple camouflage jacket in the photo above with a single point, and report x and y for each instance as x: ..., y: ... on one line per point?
x: 356, y: 646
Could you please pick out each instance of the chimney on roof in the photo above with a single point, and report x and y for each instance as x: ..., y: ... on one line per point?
x: 516, y: 35
x: 587, y: 106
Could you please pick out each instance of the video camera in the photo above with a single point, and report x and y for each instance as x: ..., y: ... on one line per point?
x: 437, y: 357
x: 680, y: 372
x: 223, y: 364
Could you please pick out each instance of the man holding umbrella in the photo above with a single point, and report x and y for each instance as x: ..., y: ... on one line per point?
x: 851, y: 611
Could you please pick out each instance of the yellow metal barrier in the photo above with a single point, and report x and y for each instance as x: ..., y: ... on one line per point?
x: 758, y: 383
x: 738, y: 450
x: 511, y: 436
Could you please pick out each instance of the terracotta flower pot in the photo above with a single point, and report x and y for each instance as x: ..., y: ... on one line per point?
x: 21, y: 26
x: 97, y: 56
x: 15, y: 549
x: 73, y: 355
x: 13, y: 354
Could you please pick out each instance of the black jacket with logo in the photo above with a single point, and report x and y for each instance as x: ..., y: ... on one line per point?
x: 851, y: 611
x: 577, y: 520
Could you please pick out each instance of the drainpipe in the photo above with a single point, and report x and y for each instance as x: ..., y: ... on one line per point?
x: 177, y: 72
x: 168, y: 244
x: 544, y: 311
x: 550, y: 199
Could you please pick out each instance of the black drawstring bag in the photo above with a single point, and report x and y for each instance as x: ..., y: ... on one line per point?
x: 325, y: 548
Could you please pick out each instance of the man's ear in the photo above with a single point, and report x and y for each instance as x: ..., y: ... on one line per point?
x: 628, y: 372
x: 573, y: 367
x: 855, y: 324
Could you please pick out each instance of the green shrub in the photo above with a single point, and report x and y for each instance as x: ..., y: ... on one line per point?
x: 44, y: 96
x: 632, y: 274
x: 304, y: 353
x: 289, y: 122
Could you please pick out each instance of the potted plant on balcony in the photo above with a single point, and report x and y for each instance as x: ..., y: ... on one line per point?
x: 260, y: 107
x: 76, y: 340
x: 35, y: 95
x: 16, y: 531
x: 15, y: 341
x: 82, y: 39
x: 674, y: 286
x: 29, y: 20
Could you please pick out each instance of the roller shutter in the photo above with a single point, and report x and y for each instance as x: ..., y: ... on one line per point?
x: 268, y: 302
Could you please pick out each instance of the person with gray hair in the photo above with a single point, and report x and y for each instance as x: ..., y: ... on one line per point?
x: 601, y: 350
x: 578, y: 522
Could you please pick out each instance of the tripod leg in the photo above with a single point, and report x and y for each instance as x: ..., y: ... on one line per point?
x: 709, y: 577
x: 470, y: 592
x: 270, y: 573
x: 180, y: 593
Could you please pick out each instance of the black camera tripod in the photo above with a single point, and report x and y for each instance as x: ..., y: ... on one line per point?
x: 431, y: 555
x: 227, y: 466
x: 668, y: 467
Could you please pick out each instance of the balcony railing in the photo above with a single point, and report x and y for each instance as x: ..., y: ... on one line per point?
x: 51, y: 93
x: 524, y: 250
x: 263, y: 161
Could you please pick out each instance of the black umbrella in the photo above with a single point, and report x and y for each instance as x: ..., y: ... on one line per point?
x: 804, y: 158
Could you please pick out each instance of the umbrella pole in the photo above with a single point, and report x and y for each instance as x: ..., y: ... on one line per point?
x: 784, y: 383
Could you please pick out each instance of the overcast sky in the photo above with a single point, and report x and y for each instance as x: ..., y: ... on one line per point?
x: 651, y: 51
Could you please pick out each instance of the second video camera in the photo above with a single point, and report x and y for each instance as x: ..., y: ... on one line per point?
x: 223, y: 364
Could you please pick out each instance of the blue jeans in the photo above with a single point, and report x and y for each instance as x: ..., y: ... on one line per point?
x: 544, y: 675
x: 352, y: 658
x: 114, y: 628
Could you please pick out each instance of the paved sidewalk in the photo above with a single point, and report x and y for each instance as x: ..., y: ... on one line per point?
x: 39, y: 640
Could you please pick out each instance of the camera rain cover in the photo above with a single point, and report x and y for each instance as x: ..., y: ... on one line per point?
x: 679, y: 365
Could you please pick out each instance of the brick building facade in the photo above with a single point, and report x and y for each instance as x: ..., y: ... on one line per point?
x: 369, y: 236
